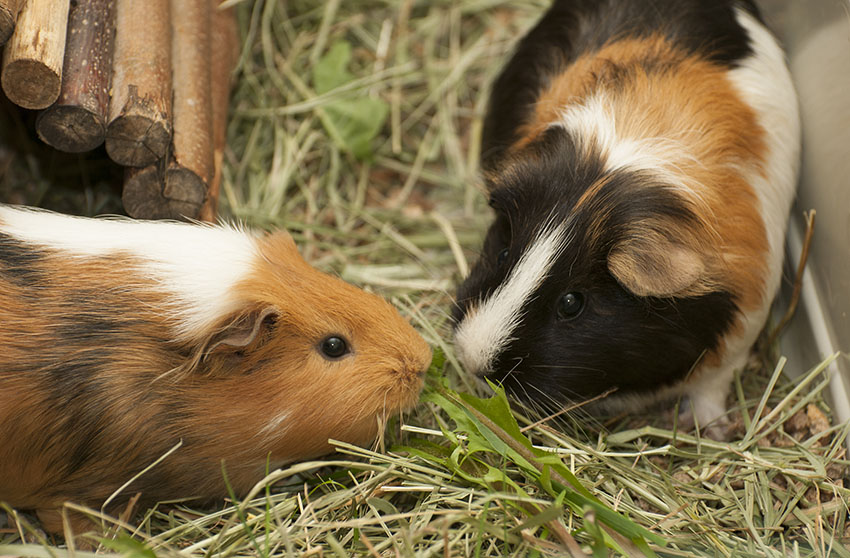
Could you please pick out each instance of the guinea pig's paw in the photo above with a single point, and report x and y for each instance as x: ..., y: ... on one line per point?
x: 25, y: 522
x: 714, y: 426
x: 77, y: 524
x: 707, y: 401
x: 719, y: 430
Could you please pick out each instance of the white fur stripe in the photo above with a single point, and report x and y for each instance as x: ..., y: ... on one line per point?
x: 487, y: 328
x: 592, y: 123
x: 196, y: 265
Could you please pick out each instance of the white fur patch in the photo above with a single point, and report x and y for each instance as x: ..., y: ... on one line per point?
x: 594, y: 126
x: 764, y: 83
x: 487, y: 328
x: 197, y: 265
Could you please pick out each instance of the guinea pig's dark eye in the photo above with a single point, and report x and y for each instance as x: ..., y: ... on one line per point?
x: 502, y: 257
x: 333, y: 347
x: 570, y: 305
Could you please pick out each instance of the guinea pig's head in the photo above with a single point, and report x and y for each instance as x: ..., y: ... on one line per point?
x: 307, y: 357
x: 590, y: 280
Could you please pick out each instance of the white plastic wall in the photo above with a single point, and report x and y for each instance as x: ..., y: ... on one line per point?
x: 816, y: 36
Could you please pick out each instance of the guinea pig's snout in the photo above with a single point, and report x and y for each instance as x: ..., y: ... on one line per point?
x: 471, y: 362
x: 412, y: 369
x: 411, y: 358
x: 417, y: 365
x: 477, y: 342
x: 409, y: 373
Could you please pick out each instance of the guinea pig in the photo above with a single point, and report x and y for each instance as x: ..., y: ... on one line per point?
x: 641, y: 157
x: 121, y: 339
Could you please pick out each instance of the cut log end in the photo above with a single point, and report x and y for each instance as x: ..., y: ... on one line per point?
x: 144, y: 198
x: 183, y: 185
x: 31, y: 84
x: 142, y: 194
x: 71, y: 128
x: 137, y: 141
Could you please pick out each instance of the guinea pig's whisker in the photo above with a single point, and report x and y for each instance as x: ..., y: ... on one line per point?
x: 570, y: 367
x: 545, y: 395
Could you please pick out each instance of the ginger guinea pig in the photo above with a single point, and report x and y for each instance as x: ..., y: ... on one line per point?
x: 641, y: 157
x: 119, y: 339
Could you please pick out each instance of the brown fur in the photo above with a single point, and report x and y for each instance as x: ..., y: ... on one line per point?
x: 93, y: 387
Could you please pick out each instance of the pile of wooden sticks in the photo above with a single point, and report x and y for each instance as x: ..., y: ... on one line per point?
x: 150, y: 79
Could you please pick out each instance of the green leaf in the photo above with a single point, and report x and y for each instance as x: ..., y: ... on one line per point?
x: 351, y: 123
x: 643, y: 546
x: 438, y: 360
x: 545, y: 480
x: 615, y: 520
x: 466, y: 409
x: 596, y: 534
x: 426, y: 449
x: 455, y: 412
x: 498, y: 410
x: 466, y: 466
x: 331, y: 70
x: 500, y: 446
x: 436, y: 372
x: 551, y: 513
x: 129, y: 547
x: 357, y: 122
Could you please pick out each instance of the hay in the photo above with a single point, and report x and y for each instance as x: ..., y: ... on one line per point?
x: 400, y: 213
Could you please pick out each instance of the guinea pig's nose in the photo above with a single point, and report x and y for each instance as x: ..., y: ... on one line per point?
x: 422, y: 362
x: 470, y: 363
x: 412, y: 368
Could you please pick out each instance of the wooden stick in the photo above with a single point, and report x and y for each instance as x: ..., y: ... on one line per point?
x: 32, y: 60
x: 189, y: 175
x: 77, y: 121
x: 9, y: 10
x: 798, y: 279
x: 224, y: 49
x: 143, y: 195
x: 139, y: 129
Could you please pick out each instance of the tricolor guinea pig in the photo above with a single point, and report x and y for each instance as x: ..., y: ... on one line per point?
x: 120, y: 339
x: 641, y: 157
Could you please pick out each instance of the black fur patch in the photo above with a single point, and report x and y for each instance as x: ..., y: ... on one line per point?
x: 93, y: 318
x: 546, y: 184
x: 20, y: 262
x: 72, y: 362
x: 574, y: 27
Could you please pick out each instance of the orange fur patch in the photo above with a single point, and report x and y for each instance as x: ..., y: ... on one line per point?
x: 380, y: 377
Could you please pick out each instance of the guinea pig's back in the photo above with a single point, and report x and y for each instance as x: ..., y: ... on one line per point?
x: 575, y: 29
x: 694, y: 95
x: 91, y: 311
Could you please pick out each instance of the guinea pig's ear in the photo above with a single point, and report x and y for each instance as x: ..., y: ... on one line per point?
x: 243, y: 330
x: 650, y: 264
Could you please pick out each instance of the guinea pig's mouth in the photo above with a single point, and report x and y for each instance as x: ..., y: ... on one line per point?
x: 413, y: 389
x: 404, y: 391
x: 411, y: 372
